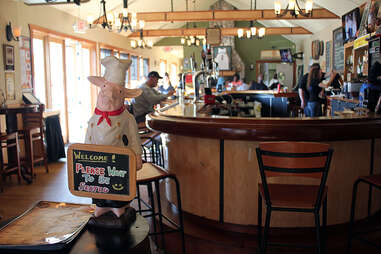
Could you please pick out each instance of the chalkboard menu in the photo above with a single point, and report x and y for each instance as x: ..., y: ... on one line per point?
x: 104, y: 172
x: 338, y: 50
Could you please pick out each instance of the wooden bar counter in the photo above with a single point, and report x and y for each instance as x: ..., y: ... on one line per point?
x: 215, y: 161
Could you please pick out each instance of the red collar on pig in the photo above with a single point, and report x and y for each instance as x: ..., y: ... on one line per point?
x: 106, y: 114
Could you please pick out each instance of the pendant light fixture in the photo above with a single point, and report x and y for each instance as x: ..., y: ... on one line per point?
x: 293, y: 8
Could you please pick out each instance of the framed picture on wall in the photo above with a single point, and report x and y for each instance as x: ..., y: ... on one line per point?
x: 10, y: 85
x: 213, y: 36
x: 222, y: 55
x: 9, y: 57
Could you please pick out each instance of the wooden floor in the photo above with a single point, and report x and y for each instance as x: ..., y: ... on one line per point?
x: 52, y: 186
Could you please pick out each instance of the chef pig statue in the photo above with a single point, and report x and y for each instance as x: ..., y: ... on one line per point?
x: 112, y: 125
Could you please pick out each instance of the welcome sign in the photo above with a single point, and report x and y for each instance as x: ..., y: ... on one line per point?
x: 104, y: 172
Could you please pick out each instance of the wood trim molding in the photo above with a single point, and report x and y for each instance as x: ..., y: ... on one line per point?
x: 218, y: 15
x: 224, y: 32
x: 42, y: 31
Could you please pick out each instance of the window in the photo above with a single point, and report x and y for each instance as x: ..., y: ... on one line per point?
x: 104, y: 53
x: 39, y: 70
x: 173, y: 75
x: 125, y: 56
x: 134, y: 72
x: 78, y: 68
x: 141, y: 71
x: 146, y: 67
x: 163, y: 67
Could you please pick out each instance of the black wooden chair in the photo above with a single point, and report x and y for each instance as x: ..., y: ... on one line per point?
x: 372, y: 181
x: 10, y: 143
x: 297, y: 159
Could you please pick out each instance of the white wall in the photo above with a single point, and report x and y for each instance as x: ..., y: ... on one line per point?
x: 48, y: 17
x: 324, y: 35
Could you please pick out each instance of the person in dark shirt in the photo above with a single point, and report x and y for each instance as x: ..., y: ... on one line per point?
x: 337, y: 82
x: 310, y: 86
x: 259, y: 85
x: 374, y: 78
x: 274, y: 82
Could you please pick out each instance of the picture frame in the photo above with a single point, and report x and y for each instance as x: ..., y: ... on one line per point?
x: 213, y: 36
x: 222, y: 55
x: 374, y: 17
x: 9, y: 57
x: 10, y: 85
x: 338, y: 50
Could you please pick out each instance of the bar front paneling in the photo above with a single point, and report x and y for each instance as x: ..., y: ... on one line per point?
x: 214, y: 159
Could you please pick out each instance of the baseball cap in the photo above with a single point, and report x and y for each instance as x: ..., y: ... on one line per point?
x: 154, y: 74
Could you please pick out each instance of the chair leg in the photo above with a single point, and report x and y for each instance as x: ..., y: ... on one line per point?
x: 180, y: 210
x: 30, y: 151
x: 325, y: 237
x: 318, y: 236
x: 352, y: 218
x: 259, y: 220
x: 161, y: 228
x: 18, y: 159
x: 152, y: 203
x: 46, y: 163
x: 266, y: 230
x: 139, y: 202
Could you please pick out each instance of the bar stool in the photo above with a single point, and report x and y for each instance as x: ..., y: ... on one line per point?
x: 296, y: 159
x: 152, y: 146
x: 153, y: 174
x: 373, y: 181
x: 33, y: 133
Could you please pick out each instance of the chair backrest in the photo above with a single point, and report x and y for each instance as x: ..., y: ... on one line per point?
x: 298, y: 159
x: 33, y: 120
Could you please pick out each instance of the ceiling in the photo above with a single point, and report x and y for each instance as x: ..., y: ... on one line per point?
x: 92, y: 8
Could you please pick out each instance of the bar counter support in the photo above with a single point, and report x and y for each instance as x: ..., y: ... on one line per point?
x: 222, y: 180
x: 371, y: 173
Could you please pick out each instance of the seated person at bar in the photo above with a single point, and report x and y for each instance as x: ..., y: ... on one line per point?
x: 244, y: 86
x: 310, y: 88
x: 144, y: 103
x: 374, y: 80
x: 236, y: 82
x: 259, y: 85
x: 166, y: 87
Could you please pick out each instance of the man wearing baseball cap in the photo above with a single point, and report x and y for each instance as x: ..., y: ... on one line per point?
x: 144, y: 103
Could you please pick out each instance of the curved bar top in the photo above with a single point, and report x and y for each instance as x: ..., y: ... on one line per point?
x: 215, y: 161
x: 186, y: 119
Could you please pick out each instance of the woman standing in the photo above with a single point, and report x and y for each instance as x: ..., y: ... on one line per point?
x: 166, y: 87
x: 310, y: 88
